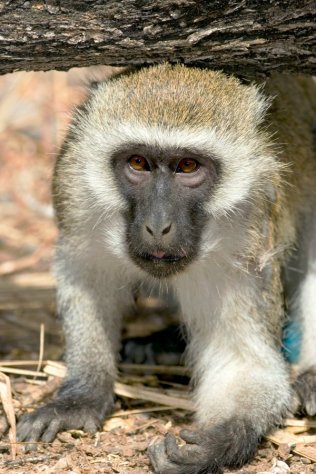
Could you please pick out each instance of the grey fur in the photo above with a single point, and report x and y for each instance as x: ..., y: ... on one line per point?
x: 218, y: 240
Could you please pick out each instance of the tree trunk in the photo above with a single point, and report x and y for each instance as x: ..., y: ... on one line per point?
x: 246, y: 37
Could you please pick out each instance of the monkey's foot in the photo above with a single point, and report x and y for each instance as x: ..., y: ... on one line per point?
x: 59, y: 415
x: 231, y: 444
x: 305, y: 387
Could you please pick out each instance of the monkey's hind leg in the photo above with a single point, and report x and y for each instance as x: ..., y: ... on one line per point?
x: 306, y: 382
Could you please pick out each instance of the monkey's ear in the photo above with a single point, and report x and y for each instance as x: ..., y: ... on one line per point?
x: 260, y: 103
x: 93, y: 85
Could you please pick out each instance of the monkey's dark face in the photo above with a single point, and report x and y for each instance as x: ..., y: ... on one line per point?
x: 165, y: 190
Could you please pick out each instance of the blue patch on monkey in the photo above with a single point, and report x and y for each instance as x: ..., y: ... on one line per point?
x: 292, y: 341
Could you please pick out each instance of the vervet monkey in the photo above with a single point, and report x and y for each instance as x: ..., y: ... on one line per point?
x: 191, y: 179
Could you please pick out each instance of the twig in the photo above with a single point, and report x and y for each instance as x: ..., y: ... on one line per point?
x: 41, y: 348
x: 32, y: 459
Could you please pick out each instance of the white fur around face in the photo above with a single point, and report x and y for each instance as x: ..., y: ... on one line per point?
x: 224, y: 236
x: 243, y: 170
x: 243, y: 167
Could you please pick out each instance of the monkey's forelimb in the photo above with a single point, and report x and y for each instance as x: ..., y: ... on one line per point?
x: 91, y: 322
x: 242, y: 382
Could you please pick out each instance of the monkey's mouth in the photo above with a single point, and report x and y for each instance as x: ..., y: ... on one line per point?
x: 161, y: 263
x: 161, y: 256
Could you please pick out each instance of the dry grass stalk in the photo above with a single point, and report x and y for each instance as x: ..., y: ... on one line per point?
x: 304, y: 423
x: 124, y: 390
x: 41, y: 347
x: 30, y: 373
x: 150, y: 395
x: 296, y: 430
x: 139, y: 411
x: 7, y: 402
x: 20, y: 363
x: 56, y: 369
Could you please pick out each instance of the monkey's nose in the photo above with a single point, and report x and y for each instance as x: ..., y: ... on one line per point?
x: 158, y: 232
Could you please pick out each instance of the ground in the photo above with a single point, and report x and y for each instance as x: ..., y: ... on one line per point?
x: 34, y: 113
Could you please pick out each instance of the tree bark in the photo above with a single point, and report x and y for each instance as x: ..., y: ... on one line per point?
x: 247, y: 37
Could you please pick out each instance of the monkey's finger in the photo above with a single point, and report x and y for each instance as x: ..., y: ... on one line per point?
x: 30, y: 447
x: 29, y: 430
x: 187, y: 454
x: 32, y: 436
x: 310, y: 405
x: 50, y: 433
x: 91, y: 426
x: 159, y: 459
x: 192, y: 437
x: 175, y: 453
x: 306, y: 391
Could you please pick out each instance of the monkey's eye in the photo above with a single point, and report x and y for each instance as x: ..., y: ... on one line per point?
x: 187, y: 165
x: 138, y: 163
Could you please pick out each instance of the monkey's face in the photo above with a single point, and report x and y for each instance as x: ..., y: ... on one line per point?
x: 166, y: 190
x: 161, y: 165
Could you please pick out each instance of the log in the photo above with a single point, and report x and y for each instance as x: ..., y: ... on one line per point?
x: 245, y: 37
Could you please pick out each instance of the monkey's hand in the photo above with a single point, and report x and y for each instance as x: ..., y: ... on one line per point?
x: 64, y: 413
x: 230, y: 444
x: 305, y: 387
